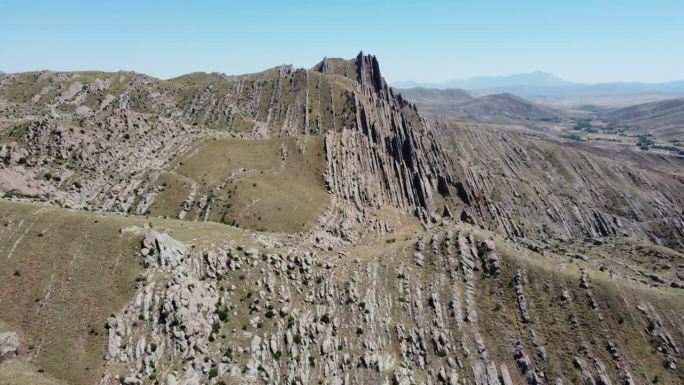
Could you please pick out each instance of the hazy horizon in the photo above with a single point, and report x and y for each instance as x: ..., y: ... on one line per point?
x: 504, y: 75
x: 436, y: 42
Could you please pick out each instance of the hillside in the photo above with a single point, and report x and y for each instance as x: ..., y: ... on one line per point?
x: 56, y: 150
x: 306, y: 226
x: 539, y: 189
x: 429, y: 96
x: 433, y: 102
x: 663, y: 118
x: 439, y: 302
x: 505, y: 106
x: 494, y: 108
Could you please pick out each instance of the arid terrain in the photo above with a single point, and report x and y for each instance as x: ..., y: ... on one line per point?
x: 647, y: 123
x: 317, y: 226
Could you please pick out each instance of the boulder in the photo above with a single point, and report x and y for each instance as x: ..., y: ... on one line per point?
x: 9, y: 346
x: 84, y: 111
x: 490, y: 258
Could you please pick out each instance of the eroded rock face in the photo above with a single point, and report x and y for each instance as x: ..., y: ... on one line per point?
x: 443, y: 305
x: 102, y: 143
x: 9, y: 346
x: 162, y: 251
x: 289, y: 314
x: 386, y: 153
x: 536, y: 190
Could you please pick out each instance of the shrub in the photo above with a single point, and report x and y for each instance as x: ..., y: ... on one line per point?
x: 222, y: 314
x: 213, y: 372
x: 297, y: 339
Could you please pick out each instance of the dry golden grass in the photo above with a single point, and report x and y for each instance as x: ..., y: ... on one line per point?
x: 63, y: 272
x: 249, y: 184
x: 20, y: 373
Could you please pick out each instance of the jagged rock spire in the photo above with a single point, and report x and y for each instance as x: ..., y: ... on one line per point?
x: 368, y: 71
x: 365, y: 69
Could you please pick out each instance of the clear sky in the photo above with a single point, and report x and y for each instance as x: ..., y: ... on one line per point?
x: 579, y: 40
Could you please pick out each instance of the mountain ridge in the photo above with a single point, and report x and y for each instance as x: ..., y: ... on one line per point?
x: 491, y: 108
x: 544, y: 84
x: 346, y: 103
x: 311, y: 226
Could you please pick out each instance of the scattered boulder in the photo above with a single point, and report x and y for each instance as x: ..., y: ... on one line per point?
x: 9, y: 346
x: 490, y: 259
x: 84, y: 111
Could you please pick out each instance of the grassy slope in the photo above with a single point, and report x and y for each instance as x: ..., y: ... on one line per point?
x: 545, y: 277
x: 95, y: 267
x: 661, y: 118
x: 270, y: 194
x: 63, y: 272
x: 20, y: 373
x: 58, y: 283
x: 617, y: 299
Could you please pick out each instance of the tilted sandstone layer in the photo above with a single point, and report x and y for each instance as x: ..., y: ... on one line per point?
x: 446, y: 307
x: 366, y: 295
x: 101, y: 140
x: 531, y: 188
x: 93, y: 135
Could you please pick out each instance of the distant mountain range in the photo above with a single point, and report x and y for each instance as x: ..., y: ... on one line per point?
x: 544, y: 84
x: 491, y: 108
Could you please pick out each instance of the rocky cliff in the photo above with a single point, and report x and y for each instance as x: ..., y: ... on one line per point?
x: 310, y: 226
x: 531, y: 188
x: 105, y: 141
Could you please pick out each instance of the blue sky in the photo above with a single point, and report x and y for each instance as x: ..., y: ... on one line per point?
x: 580, y: 40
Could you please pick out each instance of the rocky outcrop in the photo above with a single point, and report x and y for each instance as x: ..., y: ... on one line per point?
x: 445, y: 303
x: 533, y: 189
x: 9, y: 346
x: 95, y: 168
x: 281, y: 312
x: 385, y: 155
x: 110, y: 137
x: 103, y: 140
x: 490, y: 258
